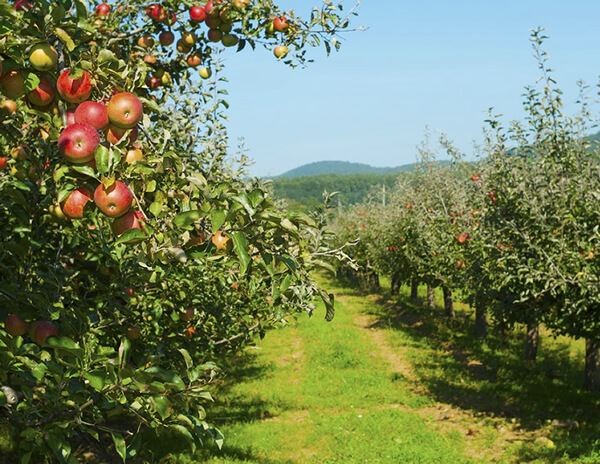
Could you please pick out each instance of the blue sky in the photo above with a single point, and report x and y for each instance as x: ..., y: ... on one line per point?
x: 436, y: 64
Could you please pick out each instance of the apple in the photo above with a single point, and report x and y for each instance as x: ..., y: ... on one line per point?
x: 103, y: 9
x: 221, y: 241
x: 134, y: 155
x: 197, y: 14
x: 78, y: 142
x: 20, y: 153
x: 166, y: 38
x: 74, y: 90
x: 182, y: 47
x: 93, y: 113
x: 280, y: 51
x: 281, y: 24
x: 152, y: 82
x: 43, y: 57
x: 194, y: 60
x: 10, y: 106
x: 74, y: 205
x: 115, y: 200
x: 133, y: 333
x: 156, y: 12
x: 23, y: 5
x: 125, y: 110
x: 43, y: 94
x: 130, y: 220
x: 170, y: 19
x: 241, y: 4
x: 209, y: 8
x: 15, y: 326
x: 205, y: 73
x: 225, y: 27
x: 146, y: 41
x: 18, y: 172
x: 3, y: 162
x: 213, y: 22
x: 150, y: 59
x: 14, y: 84
x: 187, y: 315
x: 70, y: 116
x: 57, y: 211
x: 116, y: 135
x: 215, y: 35
x: 189, y: 38
x: 462, y: 238
x: 165, y: 78
x: 230, y: 40
x: 41, y: 330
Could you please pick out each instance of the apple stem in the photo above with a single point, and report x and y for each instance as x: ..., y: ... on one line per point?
x: 137, y: 201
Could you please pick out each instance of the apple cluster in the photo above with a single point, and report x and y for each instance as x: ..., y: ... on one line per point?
x: 39, y: 331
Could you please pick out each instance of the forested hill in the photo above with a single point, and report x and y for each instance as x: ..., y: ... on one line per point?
x: 341, y: 167
x: 307, y: 192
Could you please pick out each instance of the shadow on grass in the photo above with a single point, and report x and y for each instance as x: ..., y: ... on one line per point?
x: 489, y: 377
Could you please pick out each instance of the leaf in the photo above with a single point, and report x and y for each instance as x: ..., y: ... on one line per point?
x: 106, y: 56
x: 187, y: 218
x: 65, y: 38
x: 96, y: 378
x: 243, y: 200
x: 240, y: 245
x: 217, y: 217
x: 132, y: 235
x: 31, y: 81
x: 328, y: 299
x: 186, y: 434
x: 61, y: 447
x: 124, y: 348
x: 102, y: 159
x: 65, y: 344
x: 187, y: 358
x: 163, y: 406
x: 120, y: 445
x: 155, y: 208
x: 86, y: 171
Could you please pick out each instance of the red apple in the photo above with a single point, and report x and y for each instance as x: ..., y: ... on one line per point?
x: 74, y: 90
x: 152, y: 82
x: 115, y: 200
x: 93, y: 113
x: 41, y: 330
x: 197, y: 14
x: 166, y: 38
x: 281, y: 24
x: 213, y: 22
x: 125, y: 110
x: 194, y: 60
x: 14, y: 84
x: 78, y: 142
x: 74, y: 205
x: 70, y: 117
x: 103, y: 9
x: 215, y: 35
x: 187, y: 315
x: 116, y: 135
x: 15, y: 326
x: 3, y: 162
x: 43, y: 94
x: 130, y: 220
x: 23, y: 5
x: 156, y: 12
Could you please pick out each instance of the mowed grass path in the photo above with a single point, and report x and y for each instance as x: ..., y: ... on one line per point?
x: 328, y: 393
x: 391, y: 382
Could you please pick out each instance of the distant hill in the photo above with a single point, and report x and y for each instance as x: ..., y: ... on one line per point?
x: 341, y: 167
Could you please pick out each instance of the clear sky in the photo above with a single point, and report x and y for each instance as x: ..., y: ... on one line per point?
x: 435, y: 63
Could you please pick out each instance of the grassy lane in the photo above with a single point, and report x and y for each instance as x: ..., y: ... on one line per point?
x: 327, y: 393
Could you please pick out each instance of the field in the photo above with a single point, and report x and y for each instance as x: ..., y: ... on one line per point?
x: 387, y: 381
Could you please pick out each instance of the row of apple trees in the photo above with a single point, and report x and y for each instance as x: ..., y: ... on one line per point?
x: 133, y: 255
x: 517, y: 232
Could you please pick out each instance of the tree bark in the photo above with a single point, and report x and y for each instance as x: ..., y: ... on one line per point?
x: 374, y: 278
x: 592, y: 365
x: 448, y: 305
x: 480, y: 320
x: 532, y: 342
x: 414, y: 290
x: 430, y: 296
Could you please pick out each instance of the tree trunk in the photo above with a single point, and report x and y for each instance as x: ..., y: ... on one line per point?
x: 592, y: 365
x: 532, y: 342
x: 430, y: 296
x: 448, y: 306
x: 375, y: 281
x: 480, y: 320
x: 414, y: 290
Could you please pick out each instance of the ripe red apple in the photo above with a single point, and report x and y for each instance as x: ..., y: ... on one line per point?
x: 125, y: 110
x: 166, y: 38
x: 187, y: 315
x: 213, y: 22
x: 280, y: 51
x: 78, y: 142
x: 197, y: 14
x: 3, y: 162
x: 194, y: 60
x: 215, y: 35
x: 133, y: 333
x: 170, y: 18
x: 74, y: 205
x: 281, y: 24
x: 103, y: 9
x: 115, y: 200
x: 156, y: 12
x: 93, y: 113
x: 152, y: 82
x: 209, y: 8
x: 43, y: 94
x: 70, y: 117
x: 130, y: 220
x: 41, y: 330
x: 116, y: 135
x: 14, y: 325
x: 146, y: 41
x: 14, y: 84
x: 74, y: 90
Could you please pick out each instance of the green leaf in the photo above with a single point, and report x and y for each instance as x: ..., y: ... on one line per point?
x: 65, y: 344
x: 217, y: 217
x: 187, y: 218
x: 85, y: 170
x: 186, y: 434
x: 120, y: 445
x: 240, y: 245
x: 162, y: 405
x: 243, y: 200
x: 124, y: 348
x: 132, y: 235
x: 328, y: 299
x: 155, y: 208
x: 65, y: 38
x: 96, y: 378
x: 61, y: 447
x: 187, y: 358
x: 31, y: 81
